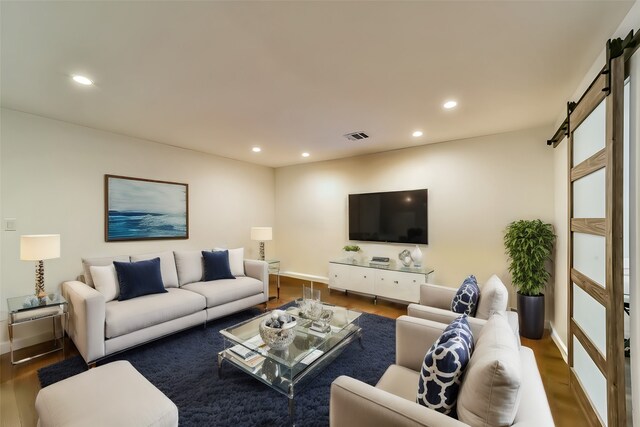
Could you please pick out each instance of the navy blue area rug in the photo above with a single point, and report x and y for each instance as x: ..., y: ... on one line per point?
x: 184, y: 367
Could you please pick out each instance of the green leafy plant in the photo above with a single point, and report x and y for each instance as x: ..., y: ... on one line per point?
x: 351, y: 248
x: 528, y: 245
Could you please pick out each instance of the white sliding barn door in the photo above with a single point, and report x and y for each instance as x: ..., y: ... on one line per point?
x: 596, y: 354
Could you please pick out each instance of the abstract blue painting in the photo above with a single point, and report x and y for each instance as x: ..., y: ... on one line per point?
x: 142, y: 209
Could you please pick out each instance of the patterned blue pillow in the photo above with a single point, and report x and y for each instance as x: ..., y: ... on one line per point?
x: 460, y: 327
x: 442, y: 371
x: 465, y: 301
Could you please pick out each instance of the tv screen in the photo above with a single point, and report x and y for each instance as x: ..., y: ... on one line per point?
x: 394, y: 217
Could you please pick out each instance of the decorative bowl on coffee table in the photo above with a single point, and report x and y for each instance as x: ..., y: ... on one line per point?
x: 278, y: 338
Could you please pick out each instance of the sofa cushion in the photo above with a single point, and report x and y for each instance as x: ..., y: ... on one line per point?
x: 167, y: 266
x: 223, y: 291
x: 466, y: 298
x: 88, y: 262
x: 216, y: 265
x: 123, y: 317
x: 236, y: 260
x: 443, y: 368
x: 139, y: 278
x: 105, y: 280
x: 189, y: 265
x: 490, y: 392
x: 493, y: 298
x: 400, y: 381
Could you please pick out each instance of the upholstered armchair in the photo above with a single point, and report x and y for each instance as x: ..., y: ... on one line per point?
x: 435, y: 304
x: 392, y: 402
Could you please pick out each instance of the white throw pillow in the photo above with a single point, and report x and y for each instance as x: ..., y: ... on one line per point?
x: 490, y: 391
x: 105, y: 280
x: 493, y: 298
x: 236, y: 260
x: 189, y: 266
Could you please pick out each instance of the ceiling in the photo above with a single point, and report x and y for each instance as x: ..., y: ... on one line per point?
x: 222, y: 77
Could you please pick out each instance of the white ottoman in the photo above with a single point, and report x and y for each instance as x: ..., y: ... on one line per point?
x: 111, y: 395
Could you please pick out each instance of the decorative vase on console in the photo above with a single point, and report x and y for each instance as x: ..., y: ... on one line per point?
x: 405, y: 258
x: 416, y: 256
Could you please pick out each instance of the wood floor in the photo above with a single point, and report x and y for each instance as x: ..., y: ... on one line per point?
x: 19, y: 384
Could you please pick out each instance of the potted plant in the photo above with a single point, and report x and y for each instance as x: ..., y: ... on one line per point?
x: 528, y: 245
x: 351, y: 251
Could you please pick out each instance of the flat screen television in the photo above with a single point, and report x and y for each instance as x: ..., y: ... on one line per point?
x: 393, y: 217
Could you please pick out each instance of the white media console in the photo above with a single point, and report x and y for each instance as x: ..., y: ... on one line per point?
x: 393, y: 282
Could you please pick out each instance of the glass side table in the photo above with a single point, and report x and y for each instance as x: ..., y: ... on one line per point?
x: 274, y: 268
x: 28, y: 308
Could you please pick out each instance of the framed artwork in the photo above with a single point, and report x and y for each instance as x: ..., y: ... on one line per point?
x: 145, y: 209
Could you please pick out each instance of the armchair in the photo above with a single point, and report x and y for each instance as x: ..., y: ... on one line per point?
x: 392, y: 402
x: 435, y: 304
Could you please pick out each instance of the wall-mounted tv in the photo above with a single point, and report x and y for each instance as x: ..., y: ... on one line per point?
x: 393, y: 217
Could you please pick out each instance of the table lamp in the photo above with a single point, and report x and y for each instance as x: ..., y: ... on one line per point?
x: 261, y: 234
x: 38, y: 247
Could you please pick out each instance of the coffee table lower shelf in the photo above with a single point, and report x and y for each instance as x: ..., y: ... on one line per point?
x: 279, y: 377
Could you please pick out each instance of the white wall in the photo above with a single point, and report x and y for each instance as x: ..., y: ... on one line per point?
x: 559, y: 324
x: 476, y: 188
x: 52, y: 181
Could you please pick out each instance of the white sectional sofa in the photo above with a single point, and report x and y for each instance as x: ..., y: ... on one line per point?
x: 100, y: 328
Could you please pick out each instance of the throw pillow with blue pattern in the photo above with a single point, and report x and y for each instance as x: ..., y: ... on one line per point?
x: 465, y: 301
x: 443, y: 368
x: 460, y: 327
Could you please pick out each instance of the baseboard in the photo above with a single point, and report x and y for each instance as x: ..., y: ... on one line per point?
x: 303, y: 276
x: 5, y: 346
x: 561, y: 346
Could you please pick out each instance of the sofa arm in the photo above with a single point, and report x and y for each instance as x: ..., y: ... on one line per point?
x: 354, y: 403
x: 258, y: 270
x: 414, y: 337
x: 443, y: 316
x: 86, y: 319
x: 437, y: 296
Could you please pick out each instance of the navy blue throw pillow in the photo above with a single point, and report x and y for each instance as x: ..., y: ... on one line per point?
x: 443, y: 368
x: 216, y: 265
x: 139, y: 278
x: 460, y: 327
x: 465, y: 301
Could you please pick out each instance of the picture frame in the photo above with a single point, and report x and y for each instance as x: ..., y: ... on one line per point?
x: 145, y: 209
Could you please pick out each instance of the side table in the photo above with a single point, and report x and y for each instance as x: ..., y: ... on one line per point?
x: 28, y: 308
x: 274, y: 268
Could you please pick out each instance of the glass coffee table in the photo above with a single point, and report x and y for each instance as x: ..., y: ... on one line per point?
x: 287, y: 370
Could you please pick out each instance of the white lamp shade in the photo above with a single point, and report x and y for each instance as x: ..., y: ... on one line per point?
x: 37, y: 247
x: 261, y: 234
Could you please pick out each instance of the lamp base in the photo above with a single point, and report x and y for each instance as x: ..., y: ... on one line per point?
x: 261, y: 251
x: 40, y: 293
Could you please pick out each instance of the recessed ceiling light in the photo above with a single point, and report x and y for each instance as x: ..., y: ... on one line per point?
x: 417, y: 133
x: 305, y: 154
x: 256, y: 149
x: 450, y: 104
x: 82, y: 80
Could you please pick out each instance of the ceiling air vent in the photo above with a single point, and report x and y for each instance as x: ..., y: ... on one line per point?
x: 356, y: 136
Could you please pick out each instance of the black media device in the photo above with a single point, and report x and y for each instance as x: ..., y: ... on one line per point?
x: 392, y: 217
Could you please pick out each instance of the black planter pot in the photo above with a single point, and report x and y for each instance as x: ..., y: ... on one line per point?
x: 531, y: 315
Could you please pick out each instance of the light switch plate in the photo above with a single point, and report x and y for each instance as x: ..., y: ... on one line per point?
x: 10, y: 224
